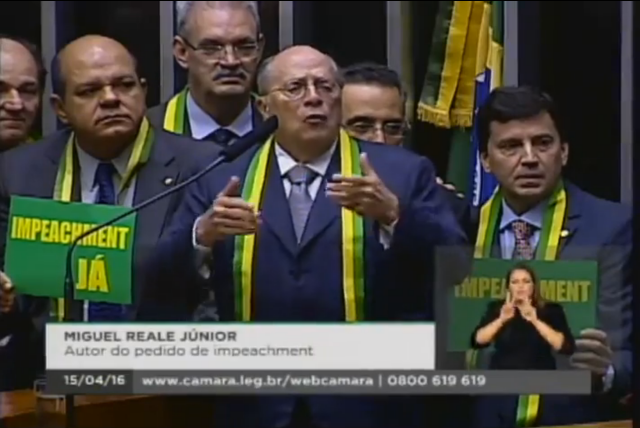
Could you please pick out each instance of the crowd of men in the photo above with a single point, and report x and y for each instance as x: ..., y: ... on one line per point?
x: 185, y: 245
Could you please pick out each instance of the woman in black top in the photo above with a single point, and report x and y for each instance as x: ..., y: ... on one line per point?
x: 525, y: 330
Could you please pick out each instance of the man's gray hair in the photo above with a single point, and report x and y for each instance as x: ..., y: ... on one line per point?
x: 184, y: 9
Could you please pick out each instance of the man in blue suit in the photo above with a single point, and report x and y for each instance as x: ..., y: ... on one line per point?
x: 295, y: 224
x: 522, y: 144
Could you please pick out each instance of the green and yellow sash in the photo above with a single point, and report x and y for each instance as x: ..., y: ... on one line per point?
x: 547, y: 249
x: 352, y: 235
x: 68, y: 171
x: 176, y: 113
x: 175, y: 116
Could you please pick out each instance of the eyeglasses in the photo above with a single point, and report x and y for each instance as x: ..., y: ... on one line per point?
x: 218, y: 51
x: 299, y: 89
x: 390, y: 129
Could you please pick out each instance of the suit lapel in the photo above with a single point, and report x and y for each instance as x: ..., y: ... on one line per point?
x: 159, y: 174
x: 572, y: 221
x: 275, y: 207
x: 44, y: 187
x: 256, y: 116
x: 323, y: 211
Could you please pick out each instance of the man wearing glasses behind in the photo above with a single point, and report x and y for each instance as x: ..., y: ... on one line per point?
x: 219, y: 44
x: 373, y: 104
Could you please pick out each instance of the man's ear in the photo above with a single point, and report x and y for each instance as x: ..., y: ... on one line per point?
x: 263, y: 107
x: 181, y: 52
x: 144, y: 86
x: 58, y: 107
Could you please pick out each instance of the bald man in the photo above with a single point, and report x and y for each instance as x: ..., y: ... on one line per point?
x: 299, y: 247
x: 99, y: 95
x: 22, y: 78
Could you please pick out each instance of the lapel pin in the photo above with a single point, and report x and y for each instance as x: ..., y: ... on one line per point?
x: 564, y: 233
x: 168, y: 181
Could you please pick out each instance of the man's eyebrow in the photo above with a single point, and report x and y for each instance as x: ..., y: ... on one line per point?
x: 360, y: 118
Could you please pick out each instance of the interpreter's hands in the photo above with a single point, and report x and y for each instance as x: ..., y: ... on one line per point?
x: 229, y: 215
x: 593, y: 352
x: 7, y: 294
x: 450, y: 187
x: 528, y: 311
x: 507, y: 311
x: 366, y: 195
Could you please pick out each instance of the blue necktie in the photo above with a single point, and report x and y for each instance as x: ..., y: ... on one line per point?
x: 222, y: 137
x: 99, y: 311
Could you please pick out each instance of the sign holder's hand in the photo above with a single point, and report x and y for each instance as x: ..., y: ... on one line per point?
x: 229, y: 215
x: 593, y: 352
x: 367, y: 195
x: 7, y: 294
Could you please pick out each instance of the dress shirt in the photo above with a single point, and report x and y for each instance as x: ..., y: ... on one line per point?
x: 508, y: 239
x: 285, y: 164
x: 202, y: 125
x: 507, y: 245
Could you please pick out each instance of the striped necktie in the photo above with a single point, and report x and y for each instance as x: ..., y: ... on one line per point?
x: 523, y: 231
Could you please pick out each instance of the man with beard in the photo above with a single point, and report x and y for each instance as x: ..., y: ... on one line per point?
x: 220, y: 44
x: 22, y: 78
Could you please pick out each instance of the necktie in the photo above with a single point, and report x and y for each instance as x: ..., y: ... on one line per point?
x: 523, y: 232
x: 221, y: 136
x: 99, y: 311
x: 300, y: 200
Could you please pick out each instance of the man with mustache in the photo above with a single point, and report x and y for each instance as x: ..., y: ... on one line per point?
x: 523, y: 145
x: 115, y: 158
x: 22, y: 78
x: 219, y: 44
x: 306, y: 189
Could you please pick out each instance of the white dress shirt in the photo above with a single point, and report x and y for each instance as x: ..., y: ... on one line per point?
x: 285, y: 164
x: 202, y: 125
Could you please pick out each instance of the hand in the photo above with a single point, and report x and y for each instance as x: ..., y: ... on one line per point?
x: 507, y: 311
x: 449, y: 187
x: 7, y: 294
x: 366, y: 195
x: 593, y: 352
x: 527, y: 311
x: 229, y: 215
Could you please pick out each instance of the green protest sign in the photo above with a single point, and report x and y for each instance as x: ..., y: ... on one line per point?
x: 573, y: 284
x: 39, y: 234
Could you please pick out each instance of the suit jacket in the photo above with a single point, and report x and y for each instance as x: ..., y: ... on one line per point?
x: 170, y: 161
x: 156, y: 117
x: 304, y: 282
x: 597, y: 230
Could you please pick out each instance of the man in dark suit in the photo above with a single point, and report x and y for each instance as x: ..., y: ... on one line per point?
x: 299, y: 245
x: 522, y: 144
x: 99, y: 95
x: 219, y: 44
x: 22, y: 79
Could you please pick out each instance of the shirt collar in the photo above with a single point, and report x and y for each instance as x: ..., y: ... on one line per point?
x: 533, y: 217
x: 319, y: 165
x: 89, y: 165
x: 202, y: 125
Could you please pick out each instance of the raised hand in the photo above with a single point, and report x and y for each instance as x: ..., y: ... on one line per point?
x: 508, y: 310
x: 528, y: 311
x: 229, y: 215
x: 366, y: 195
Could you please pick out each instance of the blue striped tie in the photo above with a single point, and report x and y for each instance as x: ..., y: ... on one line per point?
x: 100, y: 311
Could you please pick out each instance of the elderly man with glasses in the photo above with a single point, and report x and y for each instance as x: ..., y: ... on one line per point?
x: 219, y: 44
